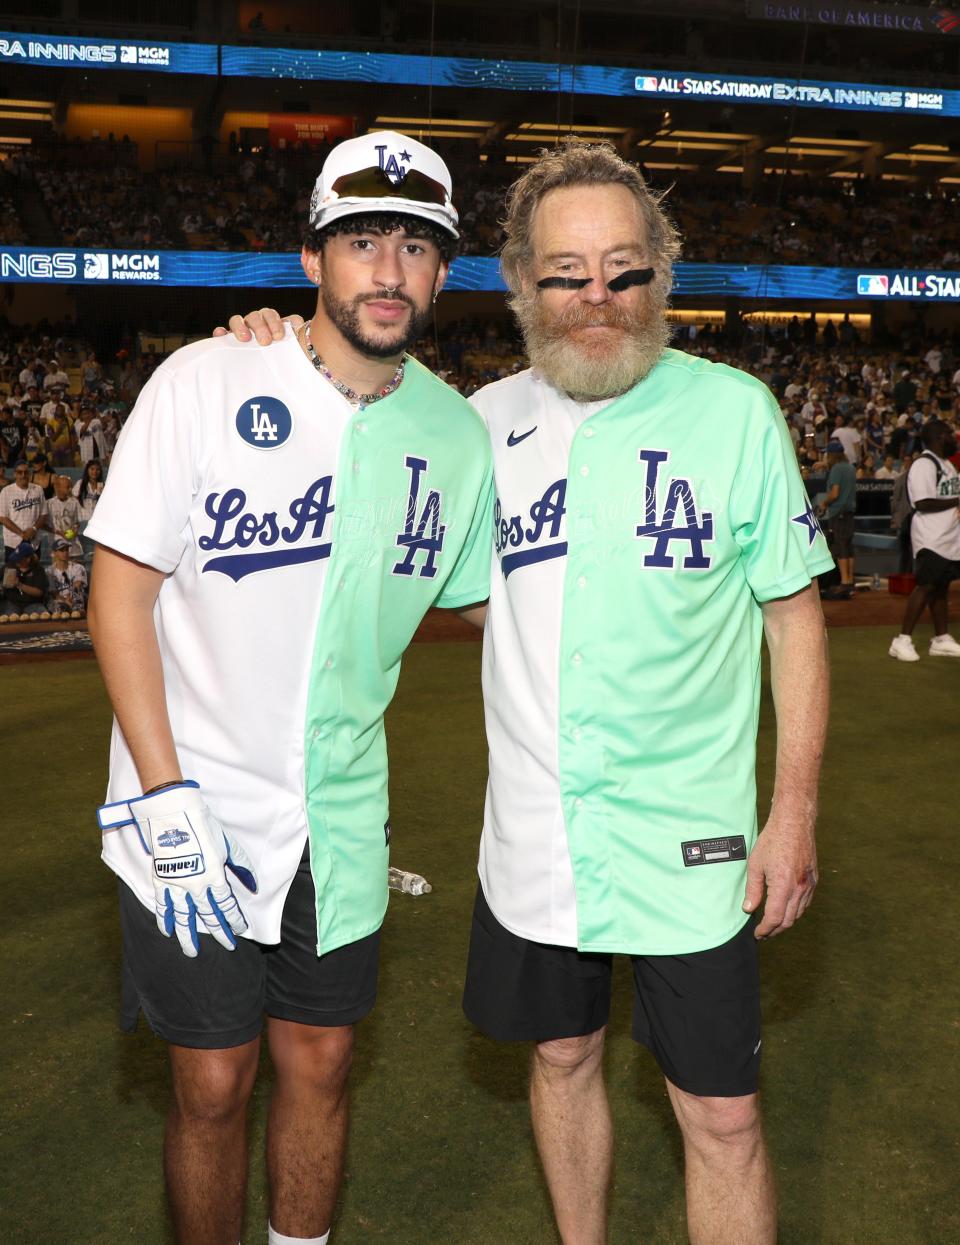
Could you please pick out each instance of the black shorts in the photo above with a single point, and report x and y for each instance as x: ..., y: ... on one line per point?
x: 934, y: 571
x: 699, y: 1014
x: 218, y: 999
x: 840, y: 531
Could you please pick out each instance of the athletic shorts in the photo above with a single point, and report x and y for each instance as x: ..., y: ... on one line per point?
x: 217, y: 1000
x: 840, y: 529
x: 934, y: 571
x: 699, y: 1014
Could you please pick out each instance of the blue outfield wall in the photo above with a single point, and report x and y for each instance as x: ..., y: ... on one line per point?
x: 71, y: 266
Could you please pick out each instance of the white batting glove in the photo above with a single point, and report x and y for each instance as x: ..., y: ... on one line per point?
x: 191, y: 854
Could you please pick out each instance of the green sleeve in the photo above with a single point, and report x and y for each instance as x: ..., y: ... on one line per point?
x: 781, y: 545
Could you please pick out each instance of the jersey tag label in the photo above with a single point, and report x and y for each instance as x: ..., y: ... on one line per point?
x: 264, y: 422
x: 713, y: 851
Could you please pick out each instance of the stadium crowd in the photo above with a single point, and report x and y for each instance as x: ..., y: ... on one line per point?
x: 258, y: 201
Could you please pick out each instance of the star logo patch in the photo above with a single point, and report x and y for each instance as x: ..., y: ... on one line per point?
x: 809, y: 520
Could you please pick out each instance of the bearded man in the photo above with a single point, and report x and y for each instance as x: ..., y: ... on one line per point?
x: 650, y: 525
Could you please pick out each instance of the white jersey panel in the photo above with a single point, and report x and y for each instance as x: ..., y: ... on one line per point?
x: 224, y: 478
x: 528, y: 887
x: 937, y: 530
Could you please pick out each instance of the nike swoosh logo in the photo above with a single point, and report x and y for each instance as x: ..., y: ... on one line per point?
x: 513, y: 439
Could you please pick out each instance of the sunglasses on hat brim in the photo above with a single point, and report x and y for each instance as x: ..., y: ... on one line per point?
x: 375, y: 184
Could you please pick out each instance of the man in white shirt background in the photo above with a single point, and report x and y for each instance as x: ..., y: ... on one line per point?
x: 933, y: 488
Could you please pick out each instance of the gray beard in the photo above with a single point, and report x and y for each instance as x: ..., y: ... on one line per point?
x: 589, y: 374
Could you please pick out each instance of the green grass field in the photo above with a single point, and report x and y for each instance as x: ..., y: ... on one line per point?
x: 862, y: 1010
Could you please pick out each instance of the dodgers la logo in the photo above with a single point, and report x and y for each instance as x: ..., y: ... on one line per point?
x: 264, y: 422
x: 679, y: 520
x: 422, y: 530
x: 262, y: 541
x: 390, y: 164
x: 518, y: 544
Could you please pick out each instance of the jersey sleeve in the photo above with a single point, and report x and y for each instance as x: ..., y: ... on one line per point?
x: 144, y: 509
x: 469, y: 581
x: 782, y: 547
x: 922, y: 480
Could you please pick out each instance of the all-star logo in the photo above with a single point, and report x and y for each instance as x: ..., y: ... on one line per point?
x: 390, y: 164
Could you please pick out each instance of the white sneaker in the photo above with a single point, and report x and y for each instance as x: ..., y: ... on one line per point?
x: 902, y: 648
x: 944, y: 646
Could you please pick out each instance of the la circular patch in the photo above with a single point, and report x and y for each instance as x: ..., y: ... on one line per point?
x: 264, y: 422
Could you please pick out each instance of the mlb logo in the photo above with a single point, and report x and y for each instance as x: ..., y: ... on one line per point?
x: 872, y: 285
x: 693, y: 851
x: 646, y: 84
x: 128, y: 55
x: 96, y: 266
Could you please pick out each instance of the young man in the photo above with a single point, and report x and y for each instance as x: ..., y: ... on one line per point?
x: 66, y: 580
x: 933, y: 490
x: 275, y: 525
x: 650, y: 525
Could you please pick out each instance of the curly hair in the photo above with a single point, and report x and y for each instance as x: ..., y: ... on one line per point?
x: 575, y: 163
x: 383, y: 222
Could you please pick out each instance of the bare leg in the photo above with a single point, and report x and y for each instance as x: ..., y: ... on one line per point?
x: 916, y: 603
x: 205, y: 1147
x: 574, y: 1132
x: 938, y: 610
x: 846, y: 571
x: 307, y: 1127
x: 731, y: 1199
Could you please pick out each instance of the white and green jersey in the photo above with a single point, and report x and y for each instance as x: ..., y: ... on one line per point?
x: 635, y: 541
x: 303, y: 542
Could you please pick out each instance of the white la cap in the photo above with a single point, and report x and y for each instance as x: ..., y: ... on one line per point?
x: 383, y: 172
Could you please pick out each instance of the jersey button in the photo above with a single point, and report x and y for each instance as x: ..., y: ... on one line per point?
x: 578, y: 802
x: 356, y: 468
x: 577, y: 733
x: 361, y: 426
x: 329, y: 663
x: 584, y: 470
x: 581, y: 581
x: 589, y: 432
x: 576, y: 659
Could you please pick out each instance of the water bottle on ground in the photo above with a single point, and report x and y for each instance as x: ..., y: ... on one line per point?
x: 408, y: 883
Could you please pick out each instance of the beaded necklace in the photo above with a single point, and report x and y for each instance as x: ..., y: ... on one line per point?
x: 360, y: 400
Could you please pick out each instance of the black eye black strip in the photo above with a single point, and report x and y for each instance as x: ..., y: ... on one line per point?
x: 563, y: 283
x: 636, y: 276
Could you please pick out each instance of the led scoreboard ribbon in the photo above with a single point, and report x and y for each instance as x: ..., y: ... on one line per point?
x: 258, y: 270
x: 467, y: 73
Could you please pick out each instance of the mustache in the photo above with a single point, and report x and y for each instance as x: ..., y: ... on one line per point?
x: 392, y: 296
x: 583, y: 316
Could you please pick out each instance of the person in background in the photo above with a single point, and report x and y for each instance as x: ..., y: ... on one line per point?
x: 63, y: 512
x: 838, y: 506
x: 933, y: 490
x: 26, y: 586
x: 66, y: 580
x: 88, y: 488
